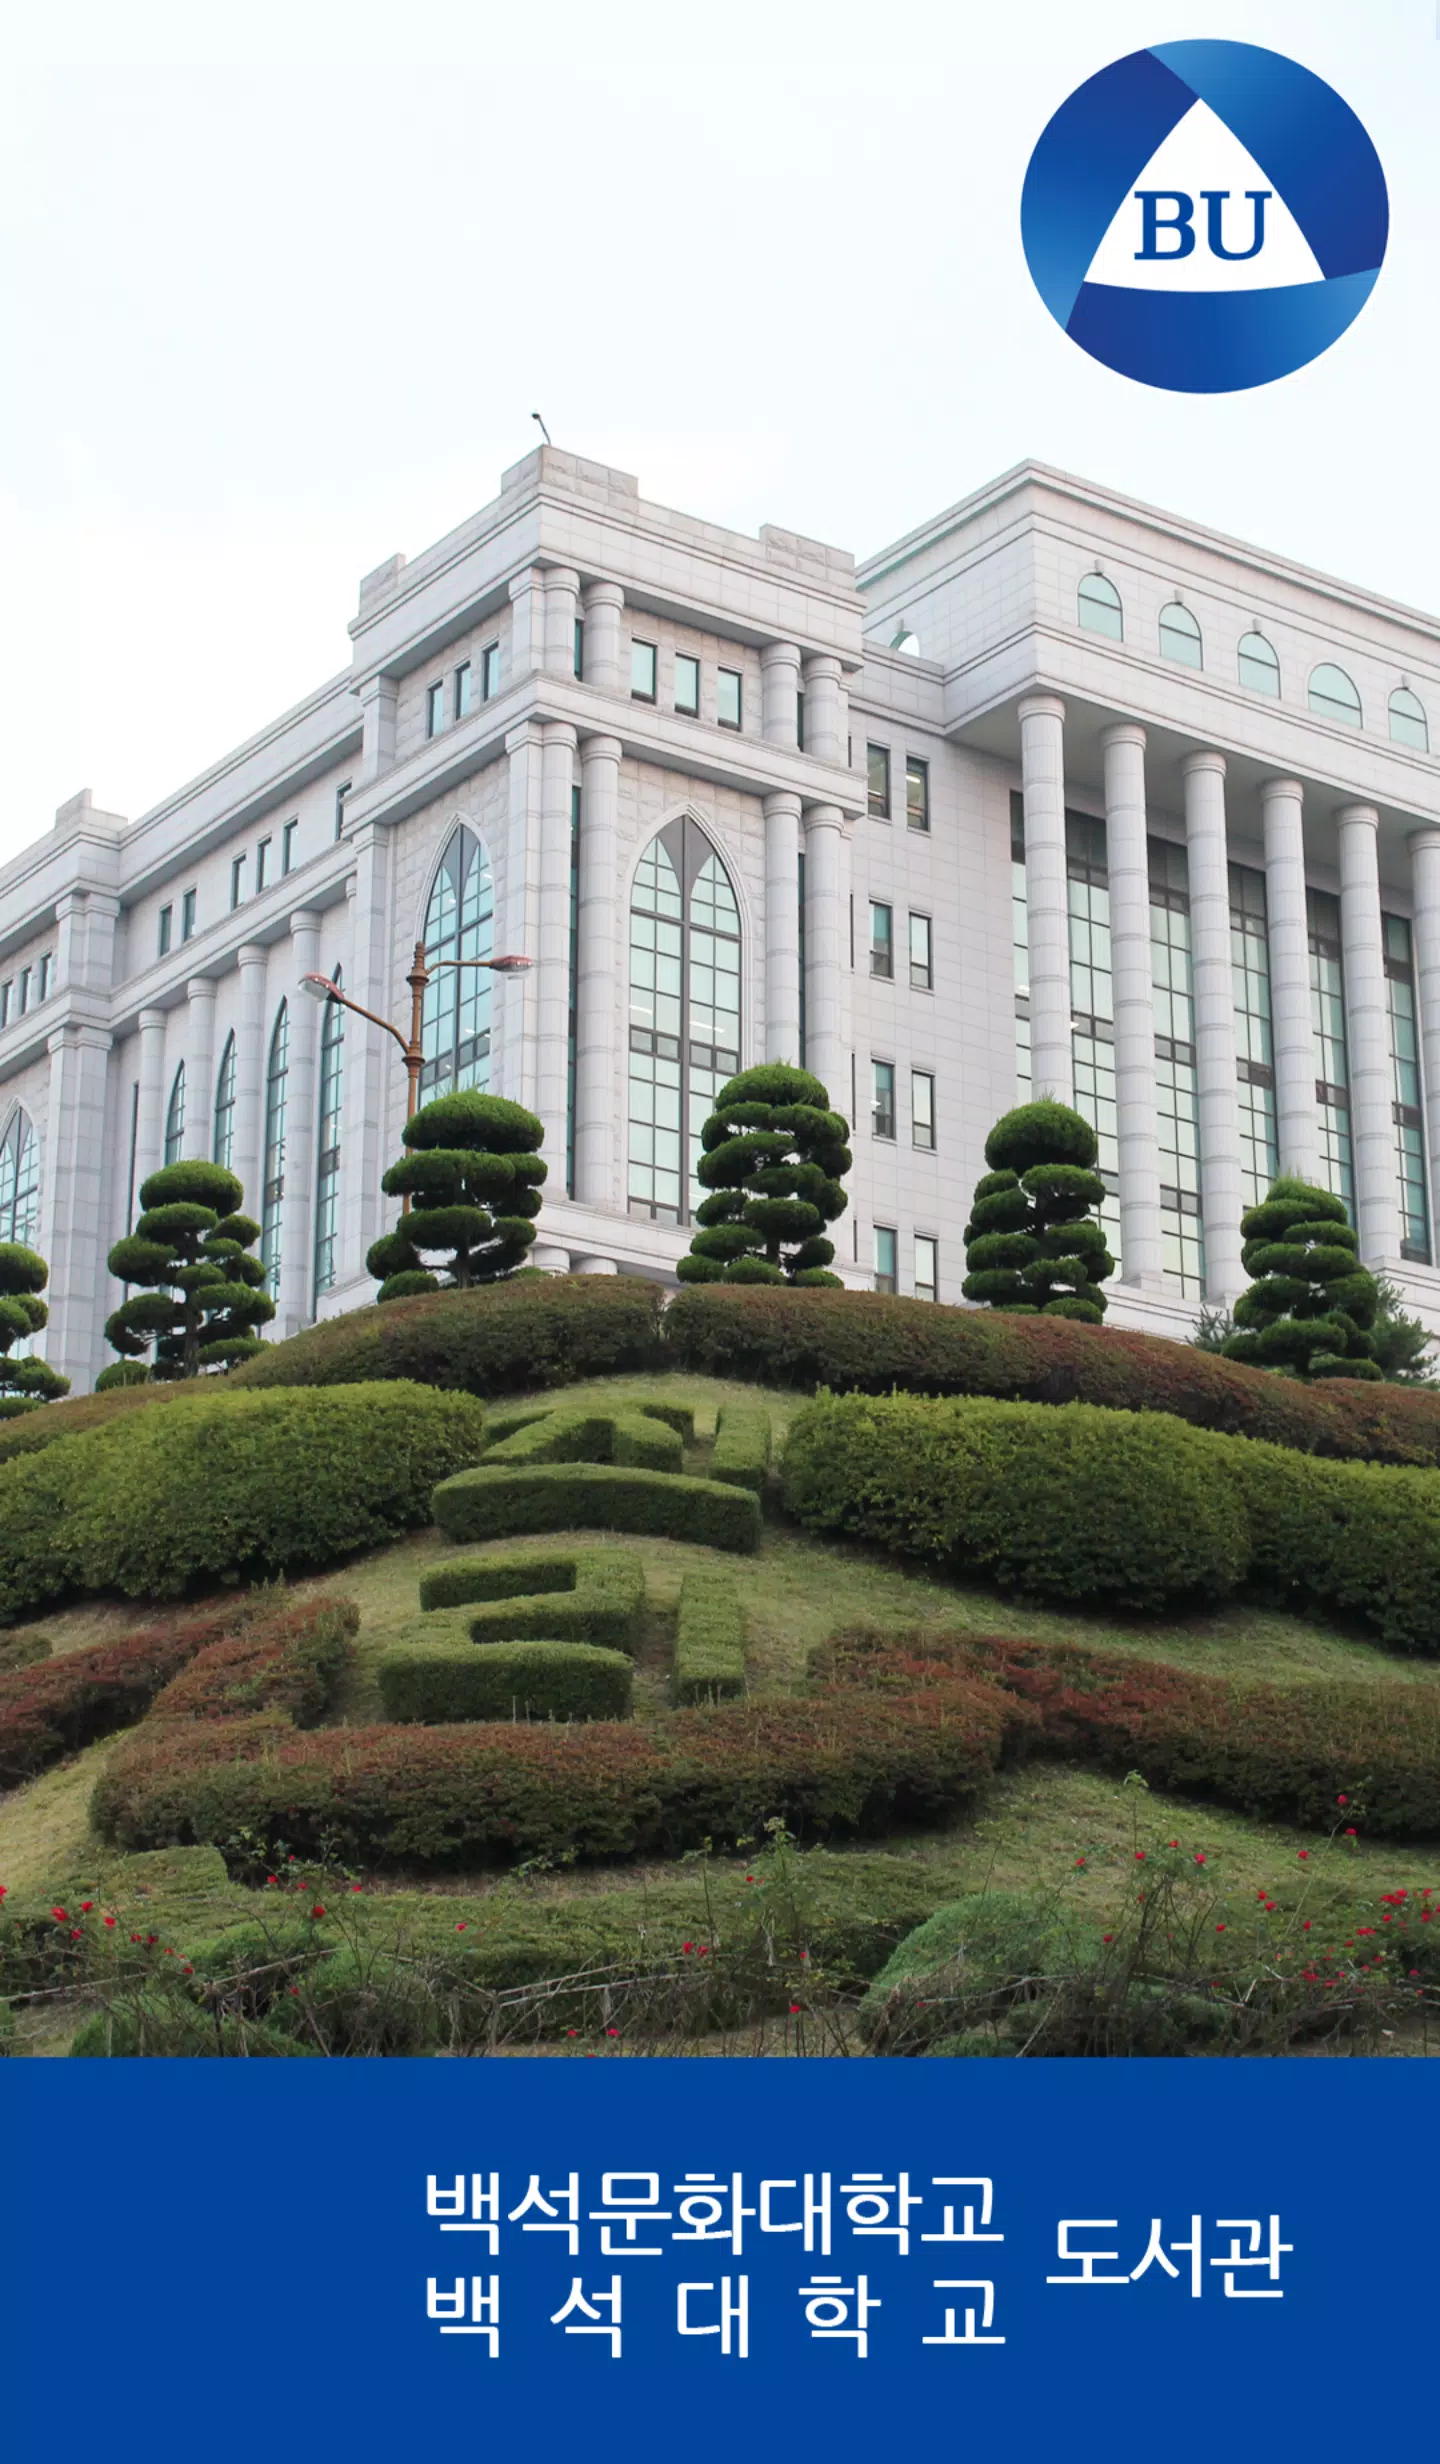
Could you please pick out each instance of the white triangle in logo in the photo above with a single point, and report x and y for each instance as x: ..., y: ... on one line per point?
x: 1142, y: 249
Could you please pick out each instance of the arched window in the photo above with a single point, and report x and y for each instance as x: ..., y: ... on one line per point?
x: 274, y: 1175
x: 175, y: 1119
x: 1408, y: 723
x: 327, y: 1175
x: 1180, y: 636
x: 19, y: 1182
x: 223, y: 1144
x: 1259, y: 667
x: 1099, y: 607
x: 459, y: 923
x: 906, y: 641
x: 684, y: 1013
x: 1333, y: 696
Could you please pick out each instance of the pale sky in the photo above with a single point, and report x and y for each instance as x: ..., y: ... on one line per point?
x: 278, y: 294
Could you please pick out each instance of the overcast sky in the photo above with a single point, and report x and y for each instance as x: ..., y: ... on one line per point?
x: 279, y: 299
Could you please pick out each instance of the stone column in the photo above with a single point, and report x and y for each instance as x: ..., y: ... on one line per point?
x: 562, y: 606
x: 1222, y: 1198
x: 200, y: 1068
x: 1292, y: 1028
x: 1367, y: 1037
x: 782, y: 929
x: 527, y: 623
x: 552, y: 966
x: 606, y: 668
x: 1128, y: 860
x: 373, y: 1087
x: 297, y: 1240
x: 515, y: 1014
x: 1425, y: 889
x: 1047, y: 896
x: 825, y: 712
x: 779, y: 692
x: 377, y: 698
x: 599, y: 977
x: 826, y: 950
x: 150, y: 1118
x: 74, y: 1242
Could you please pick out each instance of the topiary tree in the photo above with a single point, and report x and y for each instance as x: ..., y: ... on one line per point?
x: 1312, y: 1307
x: 1032, y: 1244
x: 773, y: 1154
x: 191, y: 1250
x: 470, y: 1156
x: 24, y: 1383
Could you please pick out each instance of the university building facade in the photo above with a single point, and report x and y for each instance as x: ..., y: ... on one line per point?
x: 1056, y: 794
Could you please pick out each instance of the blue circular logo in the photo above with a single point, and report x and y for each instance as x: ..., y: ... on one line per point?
x: 1204, y: 216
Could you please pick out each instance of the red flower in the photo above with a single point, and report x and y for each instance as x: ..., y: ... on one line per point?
x: 1309, y: 1921
x: 1350, y: 1834
x: 317, y: 1910
x: 1342, y: 1800
x: 85, y: 1906
x: 460, y: 1928
x: 1139, y: 1856
x: 705, y: 1951
x: 1107, y: 1937
x: 615, y: 2031
x: 270, y: 1877
x: 150, y: 1941
x: 110, y: 1922
x: 687, y: 1946
x: 1302, y: 1854
x: 134, y: 1937
x: 356, y: 1886
x: 1079, y: 1861
x: 794, y: 2007
x: 60, y: 1916
x: 1219, y: 1929
x: 570, y: 2031
x: 187, y: 1970
x: 4, y: 1887
x: 74, y: 1933
x: 1199, y: 1856
x: 1172, y: 1843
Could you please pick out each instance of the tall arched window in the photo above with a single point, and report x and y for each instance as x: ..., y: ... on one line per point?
x: 1333, y: 696
x: 175, y: 1119
x: 684, y: 1013
x: 1180, y: 636
x: 19, y: 1182
x: 1408, y: 723
x: 459, y: 923
x: 1258, y: 665
x: 274, y: 1174
x: 327, y: 1174
x: 223, y: 1144
x: 1099, y: 608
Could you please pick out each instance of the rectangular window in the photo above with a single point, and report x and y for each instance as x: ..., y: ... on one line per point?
x: 435, y: 708
x: 922, y: 1110
x: 262, y: 864
x: 886, y: 1279
x: 47, y: 968
x: 187, y: 916
x: 687, y: 686
x: 1020, y: 940
x: 1254, y: 1047
x: 162, y: 943
x: 882, y: 940
x: 24, y: 990
x: 877, y: 782
x: 1177, y: 1105
x: 1332, y: 1067
x: 7, y: 995
x: 1408, y: 1117
x: 917, y: 793
x: 287, y: 847
x: 922, y: 973
x: 642, y: 671
x: 727, y: 696
x: 464, y: 693
x: 237, y: 881
x: 800, y: 723
x: 1092, y: 1009
x: 341, y: 793
x: 882, y: 1099
x: 489, y: 671
x: 579, y: 660
x: 927, y: 1267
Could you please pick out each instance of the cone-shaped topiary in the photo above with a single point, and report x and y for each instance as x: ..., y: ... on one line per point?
x: 1311, y: 1309
x: 24, y: 1383
x: 773, y: 1154
x: 191, y: 1249
x: 1032, y: 1244
x: 473, y: 1178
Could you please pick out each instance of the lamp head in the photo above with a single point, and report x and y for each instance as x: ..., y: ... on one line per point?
x: 319, y: 987
x: 512, y: 965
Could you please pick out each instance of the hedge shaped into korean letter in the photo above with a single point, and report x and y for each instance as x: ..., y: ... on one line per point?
x: 473, y: 1176
x: 773, y: 1156
x: 534, y: 1679
x: 579, y: 1596
x: 1312, y: 1305
x: 1032, y: 1243
x: 499, y: 1501
x: 24, y: 1383
x: 203, y: 1290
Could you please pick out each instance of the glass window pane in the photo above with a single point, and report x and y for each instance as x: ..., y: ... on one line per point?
x: 1258, y: 665
x: 1408, y: 724
x: 921, y: 971
x: 1333, y: 696
x: 642, y: 671
x: 882, y: 936
x: 1099, y: 607
x: 927, y: 1267
x: 1180, y: 636
x: 727, y: 697
x: 917, y: 794
x: 877, y: 777
x: 687, y: 685
x: 885, y: 1248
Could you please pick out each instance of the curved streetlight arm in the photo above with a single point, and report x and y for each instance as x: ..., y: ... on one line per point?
x: 321, y: 985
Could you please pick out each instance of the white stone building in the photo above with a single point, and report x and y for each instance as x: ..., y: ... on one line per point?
x: 1057, y: 792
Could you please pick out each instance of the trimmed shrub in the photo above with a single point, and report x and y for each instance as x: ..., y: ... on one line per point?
x: 1312, y: 1305
x: 288, y: 1660
x: 497, y: 1501
x: 632, y: 1434
x: 586, y: 1596
x: 27, y: 1382
x: 55, y: 1707
x: 1073, y: 1504
x: 203, y: 1290
x: 742, y: 1446
x: 872, y: 1342
x: 473, y: 1179
x: 76, y: 1415
x: 499, y: 1339
x: 1358, y: 1541
x: 970, y: 1964
x: 1032, y: 1243
x: 230, y: 1486
x: 160, y: 2023
x: 709, y: 1639
x: 538, y: 1680
x: 773, y: 1153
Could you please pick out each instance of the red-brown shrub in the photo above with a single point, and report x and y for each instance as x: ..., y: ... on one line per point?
x: 56, y: 1706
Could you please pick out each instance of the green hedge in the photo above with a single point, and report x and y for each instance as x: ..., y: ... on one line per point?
x: 585, y: 1596
x: 633, y: 1434
x: 742, y: 1445
x: 495, y: 1503
x: 55, y: 1706
x: 290, y: 1659
x: 77, y: 1415
x: 538, y: 1680
x: 504, y: 1338
x: 709, y: 1638
x: 228, y: 1487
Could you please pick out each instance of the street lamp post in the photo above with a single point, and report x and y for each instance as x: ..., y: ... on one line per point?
x: 412, y: 1047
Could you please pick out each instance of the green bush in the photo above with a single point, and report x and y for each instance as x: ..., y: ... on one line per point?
x: 76, y: 1415
x: 536, y: 1680
x: 971, y: 1964
x: 29, y: 1381
x: 773, y: 1156
x: 636, y: 1434
x: 1357, y: 1541
x: 55, y: 1706
x: 288, y: 1660
x: 498, y: 1339
x: 497, y: 1501
x: 159, y: 2023
x: 202, y: 1292
x: 1312, y: 1306
x: 742, y: 1445
x: 1073, y: 1504
x: 473, y: 1180
x: 1033, y: 1243
x: 227, y: 1487
x: 709, y: 1638
x: 584, y: 1596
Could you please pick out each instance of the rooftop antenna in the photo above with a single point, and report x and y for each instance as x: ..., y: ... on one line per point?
x: 540, y: 424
